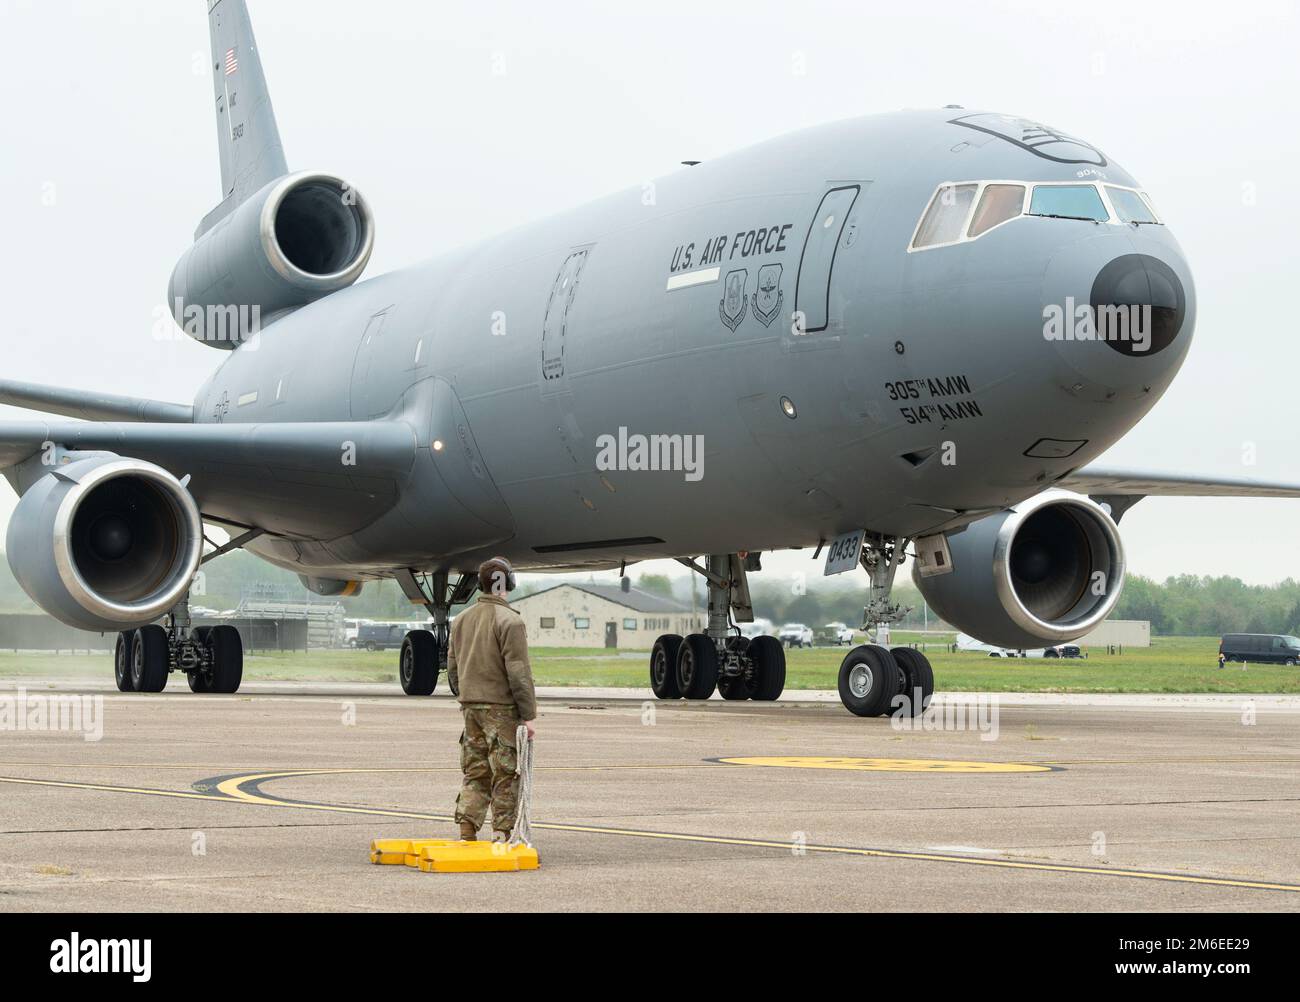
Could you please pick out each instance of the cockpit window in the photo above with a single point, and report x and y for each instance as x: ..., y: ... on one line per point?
x: 1130, y: 206
x: 962, y: 211
x: 1068, y: 201
x: 999, y: 203
x: 946, y: 216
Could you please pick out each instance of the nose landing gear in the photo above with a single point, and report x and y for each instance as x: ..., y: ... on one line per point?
x: 424, y: 653
x: 720, y: 658
x: 875, y: 680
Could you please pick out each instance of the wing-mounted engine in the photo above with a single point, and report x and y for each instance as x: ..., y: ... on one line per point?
x: 105, y: 542
x: 1045, y: 572
x: 301, y: 237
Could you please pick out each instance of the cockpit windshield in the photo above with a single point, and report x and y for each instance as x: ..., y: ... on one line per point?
x: 948, y: 211
x: 961, y: 211
x: 1130, y: 206
x: 1068, y: 201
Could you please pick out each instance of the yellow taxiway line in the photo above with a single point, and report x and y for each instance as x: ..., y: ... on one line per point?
x: 236, y: 790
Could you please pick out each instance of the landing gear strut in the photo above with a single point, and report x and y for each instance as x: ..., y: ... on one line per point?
x: 424, y: 653
x: 212, y: 657
x: 720, y: 658
x: 874, y: 679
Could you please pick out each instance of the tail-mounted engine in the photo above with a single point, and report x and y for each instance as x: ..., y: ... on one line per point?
x: 299, y: 238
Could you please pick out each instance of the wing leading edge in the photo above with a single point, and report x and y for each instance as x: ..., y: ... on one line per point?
x: 1147, y: 483
x: 320, y: 479
x: 91, y: 405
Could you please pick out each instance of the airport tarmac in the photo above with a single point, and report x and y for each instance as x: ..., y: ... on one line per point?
x: 268, y: 801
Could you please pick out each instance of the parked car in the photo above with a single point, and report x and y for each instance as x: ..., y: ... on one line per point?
x: 796, y: 635
x: 837, y: 633
x: 1261, y: 648
x: 351, y: 630
x: 1063, y: 651
x: 381, y: 636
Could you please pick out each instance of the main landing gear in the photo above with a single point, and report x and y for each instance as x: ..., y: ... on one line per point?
x: 720, y: 658
x: 424, y: 652
x: 212, y: 657
x: 876, y: 680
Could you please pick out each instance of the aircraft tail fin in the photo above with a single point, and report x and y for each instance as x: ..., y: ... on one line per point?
x: 247, y: 136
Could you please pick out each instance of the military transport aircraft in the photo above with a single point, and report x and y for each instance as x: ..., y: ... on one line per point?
x: 903, y: 334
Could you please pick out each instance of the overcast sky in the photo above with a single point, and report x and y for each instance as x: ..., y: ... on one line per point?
x: 461, y: 119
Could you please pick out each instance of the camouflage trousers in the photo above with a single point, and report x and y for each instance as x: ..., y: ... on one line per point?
x: 489, y: 761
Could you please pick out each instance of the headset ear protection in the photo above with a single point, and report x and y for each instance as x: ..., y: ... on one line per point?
x: 511, y: 581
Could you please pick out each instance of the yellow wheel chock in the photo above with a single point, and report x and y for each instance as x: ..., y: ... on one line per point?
x: 432, y: 855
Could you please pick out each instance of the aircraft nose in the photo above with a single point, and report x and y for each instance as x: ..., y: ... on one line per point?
x: 1131, y: 291
x: 1139, y: 304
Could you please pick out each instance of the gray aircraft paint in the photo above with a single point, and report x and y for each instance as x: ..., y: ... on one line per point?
x: 479, y: 351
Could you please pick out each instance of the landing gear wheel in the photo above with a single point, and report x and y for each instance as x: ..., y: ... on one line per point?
x: 697, y: 667
x: 419, y: 663
x: 122, y: 662
x: 150, y: 659
x: 226, y: 649
x: 869, y: 680
x: 768, y: 659
x: 200, y: 681
x: 663, y: 666
x: 735, y: 687
x: 917, y: 674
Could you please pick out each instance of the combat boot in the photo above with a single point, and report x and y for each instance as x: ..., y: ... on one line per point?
x: 468, y: 833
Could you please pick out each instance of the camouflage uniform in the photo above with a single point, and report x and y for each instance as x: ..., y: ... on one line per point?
x: 487, y: 664
x: 490, y: 763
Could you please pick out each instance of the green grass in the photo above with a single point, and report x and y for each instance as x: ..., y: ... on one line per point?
x: 1171, y: 664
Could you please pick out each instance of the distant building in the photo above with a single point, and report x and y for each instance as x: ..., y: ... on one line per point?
x: 1120, y: 632
x: 603, y: 615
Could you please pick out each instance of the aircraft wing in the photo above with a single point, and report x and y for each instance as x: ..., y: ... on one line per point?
x: 91, y: 405
x: 1119, y: 482
x: 325, y: 478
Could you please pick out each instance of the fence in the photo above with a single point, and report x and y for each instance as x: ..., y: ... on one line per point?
x: 33, y: 632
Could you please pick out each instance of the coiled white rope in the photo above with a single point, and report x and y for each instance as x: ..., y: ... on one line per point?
x: 522, y: 833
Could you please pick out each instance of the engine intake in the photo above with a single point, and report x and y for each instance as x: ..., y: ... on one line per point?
x: 105, y: 543
x: 301, y: 237
x: 1045, y: 572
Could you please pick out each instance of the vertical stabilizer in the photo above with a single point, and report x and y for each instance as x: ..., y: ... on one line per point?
x: 247, y: 137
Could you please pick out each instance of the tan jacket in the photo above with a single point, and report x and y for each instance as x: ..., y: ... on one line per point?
x: 488, y: 657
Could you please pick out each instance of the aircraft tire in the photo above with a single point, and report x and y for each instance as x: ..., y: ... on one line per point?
x: 418, y: 664
x: 149, y: 659
x: 122, y: 662
x: 663, y: 666
x: 869, y: 680
x: 917, y: 674
x: 227, y: 650
x: 697, y: 667
x: 768, y: 657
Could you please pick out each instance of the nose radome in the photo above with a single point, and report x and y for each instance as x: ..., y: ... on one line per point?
x: 1138, y: 289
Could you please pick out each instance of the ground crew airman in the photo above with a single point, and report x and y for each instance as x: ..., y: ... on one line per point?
x: 487, y: 663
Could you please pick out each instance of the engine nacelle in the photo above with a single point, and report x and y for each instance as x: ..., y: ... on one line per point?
x: 105, y: 543
x: 301, y: 237
x: 1044, y: 572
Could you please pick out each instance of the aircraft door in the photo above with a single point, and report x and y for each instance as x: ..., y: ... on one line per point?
x: 555, y: 324
x: 817, y: 263
x: 361, y: 402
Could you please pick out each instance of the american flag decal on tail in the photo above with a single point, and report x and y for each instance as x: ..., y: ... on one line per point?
x: 232, y: 62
